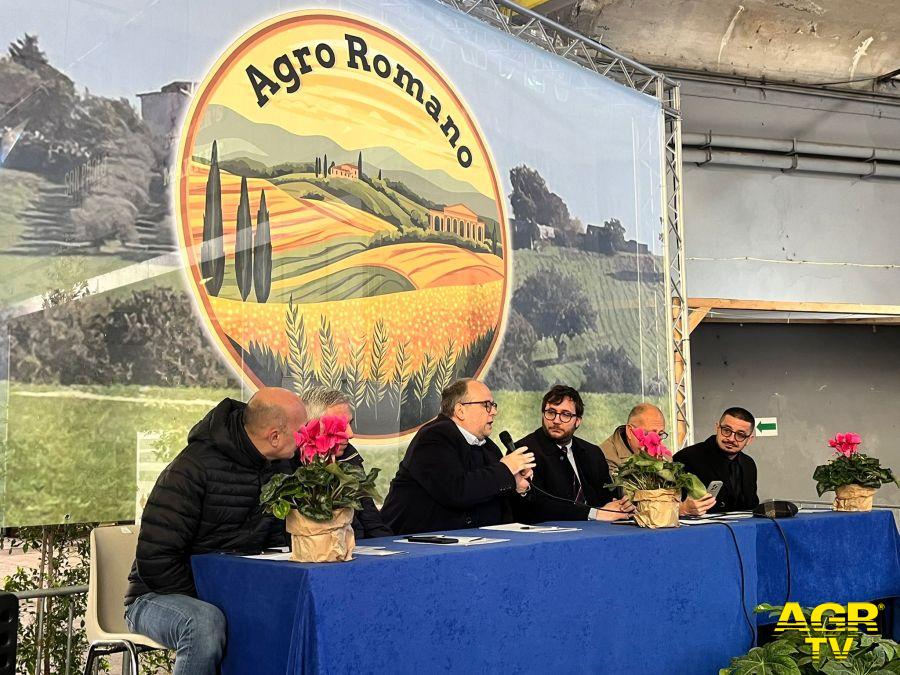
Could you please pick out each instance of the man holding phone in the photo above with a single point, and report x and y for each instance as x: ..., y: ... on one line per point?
x: 623, y: 443
x: 721, y: 457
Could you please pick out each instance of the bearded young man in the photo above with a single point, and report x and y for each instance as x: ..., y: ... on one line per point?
x: 566, y: 467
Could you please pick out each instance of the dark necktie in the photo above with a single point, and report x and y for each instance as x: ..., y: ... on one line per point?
x: 577, y: 490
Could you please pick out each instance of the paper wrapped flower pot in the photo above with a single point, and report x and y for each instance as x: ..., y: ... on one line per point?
x: 853, y: 498
x: 656, y: 508
x: 316, y: 541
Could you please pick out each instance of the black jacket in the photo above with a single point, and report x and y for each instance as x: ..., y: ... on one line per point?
x: 708, y: 463
x: 443, y: 483
x: 553, y: 474
x: 206, y: 500
x: 367, y: 523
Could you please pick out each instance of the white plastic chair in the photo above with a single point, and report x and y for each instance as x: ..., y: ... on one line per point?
x: 112, y: 552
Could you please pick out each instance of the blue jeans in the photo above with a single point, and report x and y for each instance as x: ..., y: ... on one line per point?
x: 195, y: 629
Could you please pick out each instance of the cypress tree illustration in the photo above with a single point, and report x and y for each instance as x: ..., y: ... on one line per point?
x: 243, y: 248
x: 379, y: 174
x: 212, y: 248
x: 359, y: 165
x: 325, y: 166
x: 262, y: 252
x: 318, y: 164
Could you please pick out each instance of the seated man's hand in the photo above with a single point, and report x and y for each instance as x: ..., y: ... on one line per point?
x: 522, y: 478
x: 617, y: 509
x: 518, y: 461
x: 696, y: 507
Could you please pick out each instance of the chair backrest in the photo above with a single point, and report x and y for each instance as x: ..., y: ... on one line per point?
x: 112, y: 552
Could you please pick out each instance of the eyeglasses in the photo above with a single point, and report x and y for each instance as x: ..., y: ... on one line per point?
x: 663, y: 435
x: 489, y: 406
x: 739, y: 436
x: 564, y: 415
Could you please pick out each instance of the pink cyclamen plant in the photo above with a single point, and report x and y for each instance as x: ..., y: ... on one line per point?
x: 652, y: 443
x: 845, y: 444
x: 323, y: 437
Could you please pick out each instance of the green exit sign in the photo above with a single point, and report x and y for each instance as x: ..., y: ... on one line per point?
x: 766, y: 426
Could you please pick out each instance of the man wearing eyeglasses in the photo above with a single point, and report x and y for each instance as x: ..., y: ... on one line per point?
x: 453, y: 476
x: 622, y: 444
x: 722, y: 457
x: 569, y: 473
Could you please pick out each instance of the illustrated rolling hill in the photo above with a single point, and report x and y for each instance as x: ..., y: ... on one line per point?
x: 272, y: 145
x: 321, y: 248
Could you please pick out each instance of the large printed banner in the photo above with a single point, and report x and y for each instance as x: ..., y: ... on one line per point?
x: 340, y: 214
x: 375, y: 197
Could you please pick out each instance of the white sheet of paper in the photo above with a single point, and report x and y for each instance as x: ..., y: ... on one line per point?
x: 270, y: 556
x: 519, y: 527
x: 461, y: 541
x: 374, y: 550
x: 715, y: 517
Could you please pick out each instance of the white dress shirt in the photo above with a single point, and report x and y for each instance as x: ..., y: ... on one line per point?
x: 471, y: 438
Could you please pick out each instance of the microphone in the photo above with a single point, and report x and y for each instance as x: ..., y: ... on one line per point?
x: 507, y: 441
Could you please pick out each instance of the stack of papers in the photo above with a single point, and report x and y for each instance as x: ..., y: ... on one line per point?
x: 519, y: 527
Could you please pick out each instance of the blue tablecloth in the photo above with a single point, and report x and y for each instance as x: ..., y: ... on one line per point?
x: 607, y: 599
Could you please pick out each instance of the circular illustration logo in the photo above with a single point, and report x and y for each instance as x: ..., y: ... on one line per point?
x: 341, y: 219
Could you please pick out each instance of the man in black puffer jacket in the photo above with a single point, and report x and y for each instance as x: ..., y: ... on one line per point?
x: 207, y: 500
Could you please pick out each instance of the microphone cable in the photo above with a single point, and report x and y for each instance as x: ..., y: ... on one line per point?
x: 572, y: 501
x: 507, y: 441
x: 750, y: 624
x: 787, y: 557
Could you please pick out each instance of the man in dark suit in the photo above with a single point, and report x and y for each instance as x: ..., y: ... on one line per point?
x: 722, y: 457
x: 367, y: 522
x: 568, y: 468
x: 453, y: 476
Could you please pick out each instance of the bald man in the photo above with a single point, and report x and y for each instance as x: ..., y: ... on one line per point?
x: 623, y: 444
x: 205, y: 501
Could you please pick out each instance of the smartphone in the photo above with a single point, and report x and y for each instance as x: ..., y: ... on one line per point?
x: 430, y: 539
x: 714, y: 487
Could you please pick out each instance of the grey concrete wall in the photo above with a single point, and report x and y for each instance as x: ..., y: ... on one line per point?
x: 818, y: 380
x: 767, y: 235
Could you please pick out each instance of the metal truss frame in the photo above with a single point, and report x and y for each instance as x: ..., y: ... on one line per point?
x: 547, y: 34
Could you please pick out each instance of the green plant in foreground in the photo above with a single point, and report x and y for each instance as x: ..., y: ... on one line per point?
x: 791, y: 654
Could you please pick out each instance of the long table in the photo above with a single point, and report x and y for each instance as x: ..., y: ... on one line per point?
x: 606, y: 599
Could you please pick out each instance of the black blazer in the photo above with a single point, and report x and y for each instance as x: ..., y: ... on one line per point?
x: 443, y: 483
x: 553, y: 474
x: 708, y: 463
x: 367, y: 522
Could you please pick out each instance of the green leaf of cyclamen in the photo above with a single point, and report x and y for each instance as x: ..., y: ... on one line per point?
x: 280, y: 509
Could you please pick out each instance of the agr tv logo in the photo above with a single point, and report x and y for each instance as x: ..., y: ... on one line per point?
x: 830, y: 617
